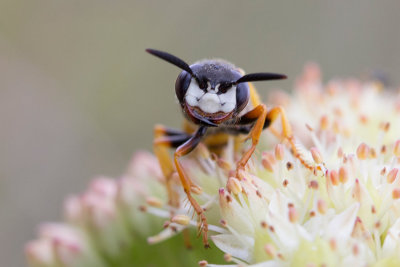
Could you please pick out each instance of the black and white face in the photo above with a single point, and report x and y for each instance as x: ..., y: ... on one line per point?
x: 211, y: 99
x: 212, y: 93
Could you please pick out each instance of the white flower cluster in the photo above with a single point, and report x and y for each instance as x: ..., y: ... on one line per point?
x: 334, y: 201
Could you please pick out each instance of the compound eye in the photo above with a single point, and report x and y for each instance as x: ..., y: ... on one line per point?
x: 224, y: 87
x: 202, y: 84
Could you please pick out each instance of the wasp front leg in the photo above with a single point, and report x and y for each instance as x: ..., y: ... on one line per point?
x: 262, y: 119
x: 187, y: 184
x: 165, y: 138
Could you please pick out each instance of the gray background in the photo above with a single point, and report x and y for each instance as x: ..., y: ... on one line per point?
x: 78, y: 95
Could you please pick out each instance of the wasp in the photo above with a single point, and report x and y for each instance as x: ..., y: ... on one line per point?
x: 218, y: 100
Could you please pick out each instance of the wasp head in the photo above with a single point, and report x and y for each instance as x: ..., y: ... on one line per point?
x: 212, y: 91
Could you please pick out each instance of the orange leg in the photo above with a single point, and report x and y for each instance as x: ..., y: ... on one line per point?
x: 165, y: 138
x: 262, y: 120
x: 187, y: 183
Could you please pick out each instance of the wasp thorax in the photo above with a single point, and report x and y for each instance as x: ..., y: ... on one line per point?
x: 211, y: 99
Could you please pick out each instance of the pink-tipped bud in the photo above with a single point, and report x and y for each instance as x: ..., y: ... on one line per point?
x: 392, y: 175
x: 322, y: 206
x: 279, y: 152
x: 343, y: 175
x: 270, y: 250
x: 293, y: 214
x: 334, y: 176
x: 181, y: 219
x: 316, y: 155
x: 396, y: 149
x: 233, y: 185
x: 362, y: 151
x: 396, y: 193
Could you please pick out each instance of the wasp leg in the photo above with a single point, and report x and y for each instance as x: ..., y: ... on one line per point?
x: 161, y: 130
x: 259, y: 115
x: 187, y: 183
x: 164, y: 138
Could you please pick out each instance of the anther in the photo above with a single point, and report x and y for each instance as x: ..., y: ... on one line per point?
x: 285, y: 183
x: 279, y: 152
x: 392, y: 175
x: 324, y: 122
x: 181, y: 219
x: 313, y: 184
x: 322, y: 206
x: 289, y: 165
x: 343, y: 175
x: 270, y: 250
x: 316, y: 155
x: 203, y: 263
x: 233, y: 185
x: 396, y: 193
x: 227, y: 257
x: 362, y: 151
x: 396, y: 149
x: 153, y: 201
x: 293, y: 215
x: 334, y: 176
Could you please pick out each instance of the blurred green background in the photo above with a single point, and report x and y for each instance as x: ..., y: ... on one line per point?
x: 78, y: 94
